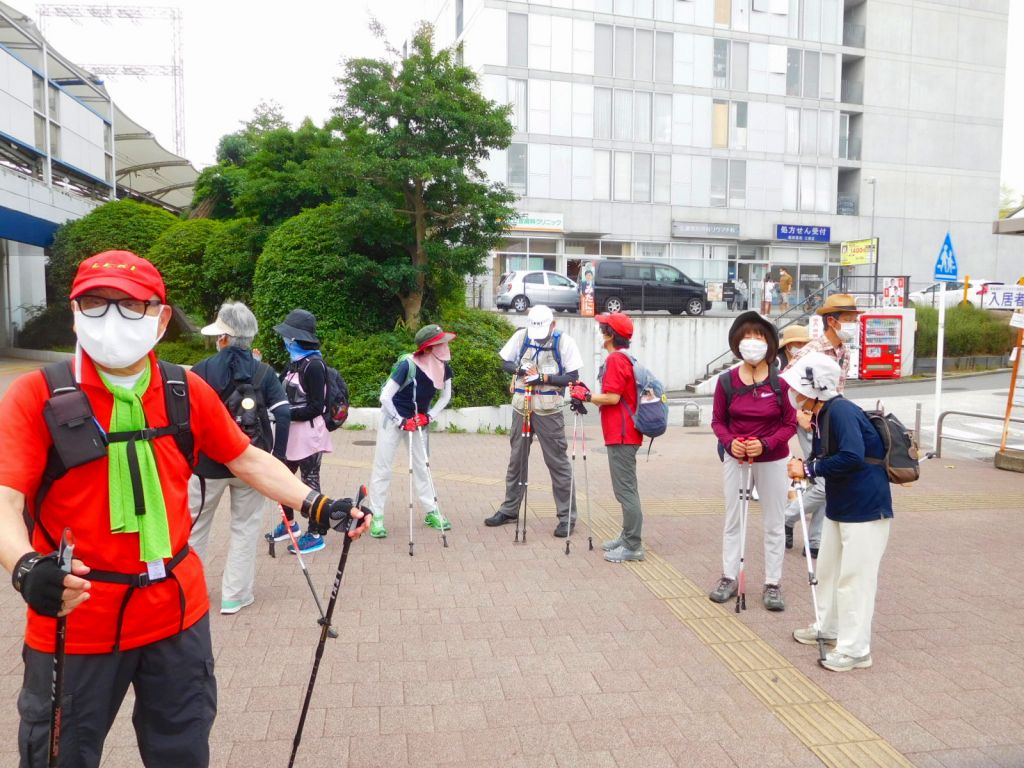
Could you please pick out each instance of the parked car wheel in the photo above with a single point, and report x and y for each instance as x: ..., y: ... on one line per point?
x: 613, y: 304
x: 695, y: 307
x: 520, y: 304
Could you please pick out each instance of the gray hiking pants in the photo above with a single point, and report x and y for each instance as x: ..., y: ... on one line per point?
x: 814, y: 499
x: 622, y: 465
x: 549, y: 431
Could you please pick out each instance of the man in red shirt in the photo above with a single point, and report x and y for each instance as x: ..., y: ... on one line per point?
x: 617, y: 402
x: 135, y: 601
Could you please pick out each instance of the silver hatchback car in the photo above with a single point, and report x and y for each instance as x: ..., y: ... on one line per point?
x: 521, y: 290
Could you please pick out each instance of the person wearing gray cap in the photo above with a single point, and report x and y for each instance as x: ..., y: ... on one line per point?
x: 543, y: 363
x: 240, y: 381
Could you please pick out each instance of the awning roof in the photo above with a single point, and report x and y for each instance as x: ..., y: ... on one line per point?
x: 143, y: 167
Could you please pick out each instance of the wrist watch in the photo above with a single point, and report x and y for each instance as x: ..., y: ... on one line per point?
x: 22, y: 569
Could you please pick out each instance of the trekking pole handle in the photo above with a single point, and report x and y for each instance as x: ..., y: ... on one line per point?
x: 66, y: 551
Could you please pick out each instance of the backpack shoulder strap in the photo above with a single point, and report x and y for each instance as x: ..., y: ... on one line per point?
x: 59, y: 378
x: 725, y: 379
x: 556, y: 344
x: 773, y: 381
x: 525, y: 346
x: 261, y: 373
x: 176, y: 401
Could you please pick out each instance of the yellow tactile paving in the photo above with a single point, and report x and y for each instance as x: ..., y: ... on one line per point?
x: 819, y: 723
x: 777, y: 687
x: 720, y: 629
x: 748, y: 656
x: 861, y: 754
x: 687, y: 608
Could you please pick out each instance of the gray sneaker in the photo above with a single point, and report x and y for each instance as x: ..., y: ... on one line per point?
x: 608, y: 546
x: 621, y: 555
x: 840, y: 662
x: 772, y: 598
x: 726, y: 589
x: 809, y: 636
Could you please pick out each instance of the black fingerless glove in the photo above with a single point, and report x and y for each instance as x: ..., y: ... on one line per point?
x: 325, y: 513
x: 40, y: 581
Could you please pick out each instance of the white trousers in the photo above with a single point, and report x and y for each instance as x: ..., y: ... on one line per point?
x: 247, y: 505
x: 389, y: 438
x: 847, y: 581
x: 772, y: 485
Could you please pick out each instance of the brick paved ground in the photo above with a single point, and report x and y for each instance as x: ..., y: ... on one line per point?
x: 488, y: 653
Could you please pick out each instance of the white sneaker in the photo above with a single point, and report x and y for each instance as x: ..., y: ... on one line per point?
x: 840, y: 662
x: 621, y: 555
x: 809, y: 636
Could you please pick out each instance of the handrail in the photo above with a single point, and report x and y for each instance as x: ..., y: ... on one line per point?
x: 942, y: 417
x: 801, y: 308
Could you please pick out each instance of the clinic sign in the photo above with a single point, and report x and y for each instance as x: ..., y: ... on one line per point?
x: 853, y: 253
x: 802, y: 233
x: 704, y: 229
x: 538, y: 222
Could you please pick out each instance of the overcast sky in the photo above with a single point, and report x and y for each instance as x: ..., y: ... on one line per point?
x: 237, y: 54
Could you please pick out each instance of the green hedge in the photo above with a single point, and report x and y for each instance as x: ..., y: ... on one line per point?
x: 117, y: 225
x: 178, y: 254
x: 969, y: 331
x: 229, y: 262
x: 49, y: 328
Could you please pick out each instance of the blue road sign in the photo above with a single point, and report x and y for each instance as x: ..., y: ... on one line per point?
x: 945, y: 265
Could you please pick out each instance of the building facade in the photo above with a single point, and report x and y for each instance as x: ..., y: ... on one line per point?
x: 734, y: 137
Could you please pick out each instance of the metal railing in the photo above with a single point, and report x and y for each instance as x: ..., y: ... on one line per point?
x: 937, y: 453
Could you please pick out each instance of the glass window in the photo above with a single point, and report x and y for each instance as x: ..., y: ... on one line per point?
x: 559, y: 281
x: 663, y: 57
x: 623, y: 175
x: 518, y: 40
x: 807, y: 188
x: 665, y: 274
x: 662, y: 178
x: 40, y: 132
x: 641, y: 116
x: 641, y: 177
x: 543, y: 245
x: 719, y: 182
x: 602, y: 113
x: 663, y: 118
x: 720, y: 124
x: 644, y: 54
x: 583, y: 247
x: 793, y: 72
x: 792, y: 131
x: 825, y: 133
x: 37, y: 93
x: 811, y: 74
x: 622, y: 129
x: 517, y: 98
x: 643, y: 8
x: 720, y: 64
x: 809, y: 132
x: 739, y: 124
x: 623, y: 52
x: 603, y: 51
x: 602, y: 174
x: 790, y: 186
x: 740, y: 57
x: 828, y: 76
x: 638, y: 271
x: 723, y: 12
x: 54, y: 139
x: 737, y: 183
x: 514, y: 245
x: 517, y: 168
x: 534, y: 278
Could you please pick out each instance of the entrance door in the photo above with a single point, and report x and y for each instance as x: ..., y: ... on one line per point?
x: 753, y: 274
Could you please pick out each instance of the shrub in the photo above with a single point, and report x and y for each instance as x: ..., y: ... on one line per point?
x: 969, y: 331
x: 178, y: 254
x: 229, y: 262
x: 327, y: 260
x: 186, y: 350
x: 48, y: 328
x: 365, y: 361
x: 117, y: 225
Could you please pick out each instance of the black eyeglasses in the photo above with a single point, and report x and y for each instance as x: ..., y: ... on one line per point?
x: 129, y: 309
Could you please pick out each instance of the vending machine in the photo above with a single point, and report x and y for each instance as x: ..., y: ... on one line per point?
x: 881, y: 350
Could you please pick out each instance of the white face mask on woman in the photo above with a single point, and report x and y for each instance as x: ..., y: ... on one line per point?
x: 753, y: 351
x: 114, y: 342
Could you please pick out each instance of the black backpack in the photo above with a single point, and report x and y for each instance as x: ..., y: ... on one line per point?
x: 336, y: 398
x: 725, y: 379
x: 246, y: 404
x: 900, y: 460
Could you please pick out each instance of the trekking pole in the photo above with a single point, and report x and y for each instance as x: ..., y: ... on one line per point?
x: 65, y: 553
x: 410, y: 494
x: 586, y: 482
x: 325, y: 624
x: 331, y: 631
x: 430, y: 479
x: 572, y: 481
x: 812, y: 579
x: 745, y: 493
x: 524, y: 470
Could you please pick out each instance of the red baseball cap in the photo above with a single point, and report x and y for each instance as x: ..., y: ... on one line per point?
x: 618, y: 322
x: 122, y: 270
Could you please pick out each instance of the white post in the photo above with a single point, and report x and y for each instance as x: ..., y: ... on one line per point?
x: 938, y: 361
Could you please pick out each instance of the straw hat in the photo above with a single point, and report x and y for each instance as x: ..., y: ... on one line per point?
x: 839, y: 302
x: 794, y: 334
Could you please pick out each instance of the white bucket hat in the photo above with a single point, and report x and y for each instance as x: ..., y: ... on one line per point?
x: 815, y: 375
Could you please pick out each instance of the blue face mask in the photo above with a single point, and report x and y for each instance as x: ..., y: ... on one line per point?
x: 294, y: 349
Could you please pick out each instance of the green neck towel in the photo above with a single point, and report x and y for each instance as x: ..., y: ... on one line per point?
x: 154, y: 532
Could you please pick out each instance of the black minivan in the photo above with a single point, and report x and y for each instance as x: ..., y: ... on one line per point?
x: 645, y: 285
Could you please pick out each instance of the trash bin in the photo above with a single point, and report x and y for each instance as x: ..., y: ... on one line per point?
x: 691, y: 414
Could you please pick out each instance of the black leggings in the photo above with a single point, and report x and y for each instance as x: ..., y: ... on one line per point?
x: 309, y: 473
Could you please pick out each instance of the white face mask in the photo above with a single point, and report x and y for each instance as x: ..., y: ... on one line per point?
x: 113, y: 342
x: 753, y: 350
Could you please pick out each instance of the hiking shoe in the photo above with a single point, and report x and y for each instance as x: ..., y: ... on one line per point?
x: 377, y: 529
x: 562, y: 530
x: 814, y: 553
x: 622, y: 555
x: 840, y: 662
x: 809, y: 636
x: 308, y: 542
x: 789, y: 537
x: 499, y: 519
x: 608, y: 546
x: 754, y: 495
x: 772, y: 598
x: 436, y: 521
x: 280, y: 533
x: 726, y: 589
x: 229, y: 607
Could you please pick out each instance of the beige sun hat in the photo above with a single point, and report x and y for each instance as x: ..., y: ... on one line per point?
x: 839, y: 302
x: 794, y: 334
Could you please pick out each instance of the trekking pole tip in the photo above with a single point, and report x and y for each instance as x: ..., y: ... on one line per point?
x: 444, y: 540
